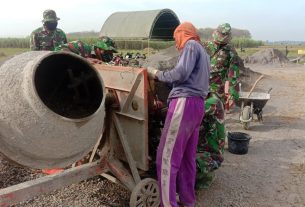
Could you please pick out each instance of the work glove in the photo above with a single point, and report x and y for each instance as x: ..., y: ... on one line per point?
x: 151, y: 71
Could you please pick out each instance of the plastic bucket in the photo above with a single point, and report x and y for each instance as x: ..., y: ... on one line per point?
x: 238, y: 142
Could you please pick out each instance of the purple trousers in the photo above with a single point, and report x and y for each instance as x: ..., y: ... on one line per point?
x: 176, y: 166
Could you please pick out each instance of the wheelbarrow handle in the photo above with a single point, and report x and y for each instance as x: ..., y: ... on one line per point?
x: 270, y: 89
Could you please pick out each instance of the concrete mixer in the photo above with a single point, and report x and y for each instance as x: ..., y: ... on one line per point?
x: 56, y: 108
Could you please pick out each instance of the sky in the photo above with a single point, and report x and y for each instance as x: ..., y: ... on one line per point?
x: 272, y: 20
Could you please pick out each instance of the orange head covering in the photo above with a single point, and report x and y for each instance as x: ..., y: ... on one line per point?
x: 185, y: 32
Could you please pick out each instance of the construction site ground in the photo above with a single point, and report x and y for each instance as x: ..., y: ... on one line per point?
x: 272, y: 174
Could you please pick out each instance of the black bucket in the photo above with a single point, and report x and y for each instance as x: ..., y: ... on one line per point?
x: 238, y: 142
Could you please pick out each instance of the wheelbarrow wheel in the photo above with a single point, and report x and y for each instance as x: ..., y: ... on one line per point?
x: 246, y: 114
x: 145, y: 194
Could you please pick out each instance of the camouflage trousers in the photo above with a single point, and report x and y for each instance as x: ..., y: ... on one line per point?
x: 211, y: 143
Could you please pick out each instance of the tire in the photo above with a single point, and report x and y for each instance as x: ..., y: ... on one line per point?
x: 246, y: 114
x: 145, y: 194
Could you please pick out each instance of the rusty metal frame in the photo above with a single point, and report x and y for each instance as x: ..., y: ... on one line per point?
x: 107, y: 163
x: 132, y: 92
x: 129, y: 86
x: 127, y: 151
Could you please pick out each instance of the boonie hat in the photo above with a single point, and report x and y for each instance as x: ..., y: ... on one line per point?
x: 50, y: 16
x: 222, y: 34
x: 106, y: 43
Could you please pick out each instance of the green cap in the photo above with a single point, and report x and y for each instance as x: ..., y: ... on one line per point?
x: 50, y: 16
x: 222, y: 34
x: 106, y: 43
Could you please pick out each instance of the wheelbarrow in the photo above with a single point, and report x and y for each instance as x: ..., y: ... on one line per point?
x: 252, y: 104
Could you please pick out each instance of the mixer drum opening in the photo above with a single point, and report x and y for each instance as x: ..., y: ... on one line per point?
x: 68, y: 86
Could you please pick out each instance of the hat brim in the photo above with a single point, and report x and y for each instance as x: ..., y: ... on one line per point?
x: 106, y: 48
x: 50, y: 20
x: 113, y: 49
x: 221, y: 38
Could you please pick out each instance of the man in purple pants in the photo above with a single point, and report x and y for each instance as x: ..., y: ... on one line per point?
x: 176, y: 167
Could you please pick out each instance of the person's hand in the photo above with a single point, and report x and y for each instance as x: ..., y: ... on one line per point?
x: 151, y: 71
x: 94, y: 61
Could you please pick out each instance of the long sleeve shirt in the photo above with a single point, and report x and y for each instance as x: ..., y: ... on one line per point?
x: 41, y: 39
x: 190, y: 77
x: 225, y: 66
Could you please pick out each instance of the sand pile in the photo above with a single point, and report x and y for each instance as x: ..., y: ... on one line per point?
x: 167, y: 59
x: 163, y: 60
x: 267, y: 56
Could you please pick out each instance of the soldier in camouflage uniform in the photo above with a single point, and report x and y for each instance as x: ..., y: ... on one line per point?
x: 48, y: 36
x: 224, y: 67
x: 102, y: 50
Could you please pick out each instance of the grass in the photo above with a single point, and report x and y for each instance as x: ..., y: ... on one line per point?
x: 6, y: 53
x: 146, y: 51
x: 9, y: 52
x: 247, y: 52
x: 293, y: 50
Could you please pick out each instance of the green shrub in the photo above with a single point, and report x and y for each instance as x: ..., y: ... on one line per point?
x: 14, y: 42
x: 127, y: 44
x: 130, y: 44
x: 239, y: 42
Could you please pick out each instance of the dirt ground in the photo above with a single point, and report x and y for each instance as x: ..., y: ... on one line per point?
x: 272, y: 174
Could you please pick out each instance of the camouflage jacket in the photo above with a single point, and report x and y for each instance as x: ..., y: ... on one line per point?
x: 78, y: 47
x: 42, y: 39
x: 224, y: 67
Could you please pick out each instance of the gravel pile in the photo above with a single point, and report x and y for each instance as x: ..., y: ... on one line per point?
x: 268, y: 56
x: 94, y: 192
x: 12, y: 174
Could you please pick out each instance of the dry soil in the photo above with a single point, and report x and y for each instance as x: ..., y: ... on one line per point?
x: 272, y: 174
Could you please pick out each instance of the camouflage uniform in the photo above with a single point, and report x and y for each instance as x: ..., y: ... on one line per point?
x: 78, y: 47
x: 108, y: 46
x: 88, y: 51
x: 224, y: 67
x: 44, y: 39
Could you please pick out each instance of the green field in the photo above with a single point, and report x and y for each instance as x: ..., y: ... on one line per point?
x: 6, y: 53
x: 293, y: 50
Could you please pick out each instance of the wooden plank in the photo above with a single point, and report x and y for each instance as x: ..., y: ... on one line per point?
x: 105, y: 175
x: 96, y: 145
x: 27, y: 190
x: 111, y: 178
x: 254, y: 85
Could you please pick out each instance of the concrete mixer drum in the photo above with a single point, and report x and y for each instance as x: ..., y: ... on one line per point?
x: 51, y: 108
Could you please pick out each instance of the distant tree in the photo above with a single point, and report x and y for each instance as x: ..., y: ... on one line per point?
x: 83, y: 34
x: 206, y: 33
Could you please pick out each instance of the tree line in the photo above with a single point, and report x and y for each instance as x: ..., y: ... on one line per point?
x: 127, y: 44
